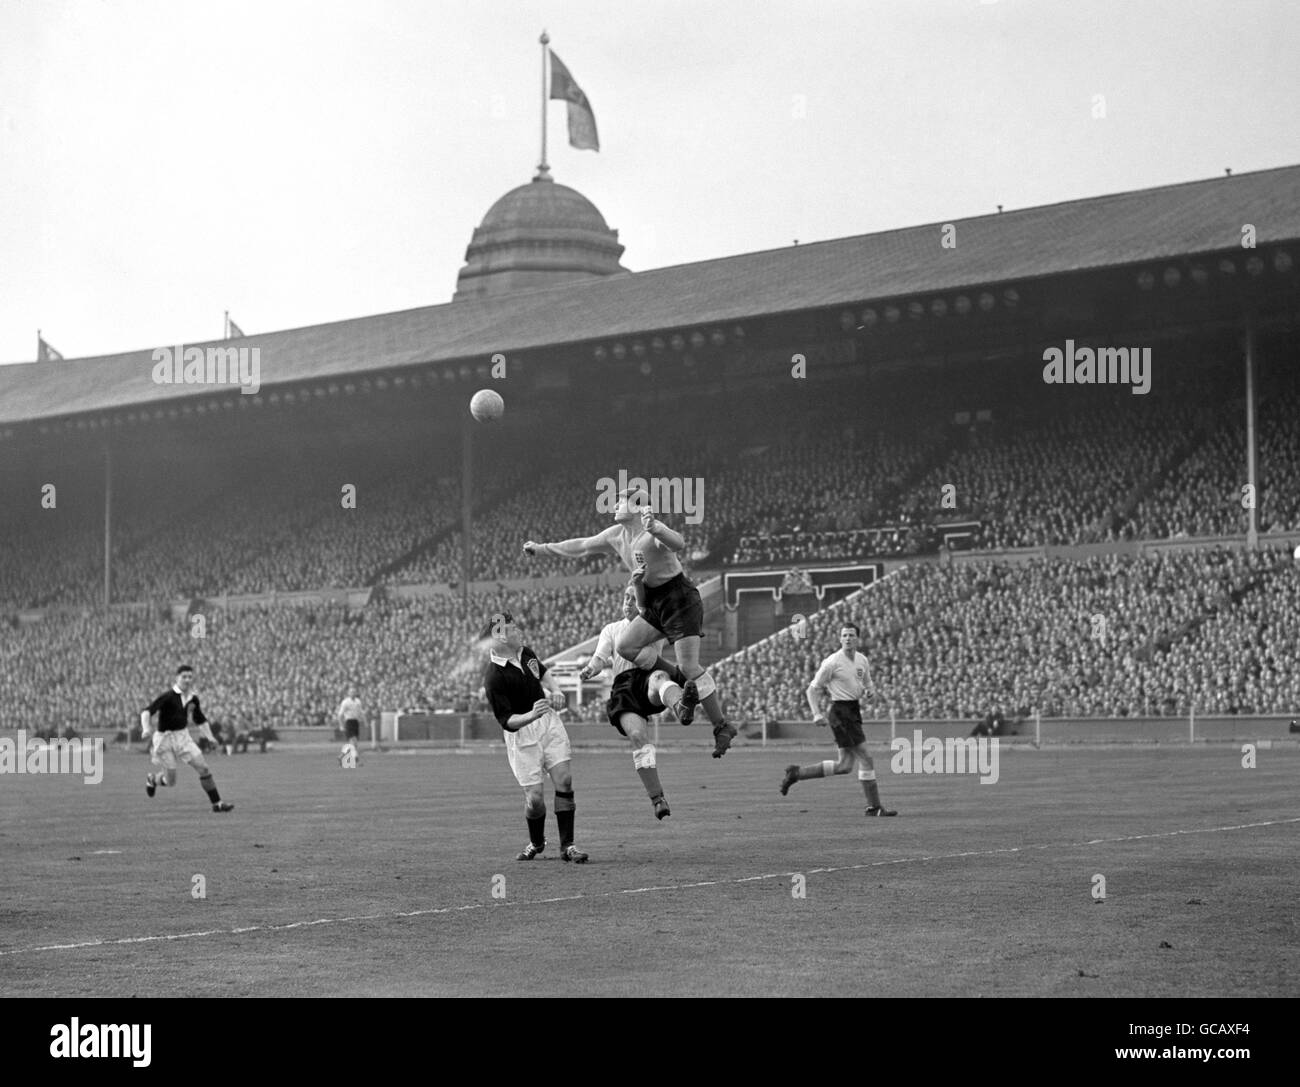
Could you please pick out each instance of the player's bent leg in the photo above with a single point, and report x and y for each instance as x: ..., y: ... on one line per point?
x: 640, y: 634
x: 163, y: 758
x: 665, y: 692
x: 636, y: 644
x: 701, y: 687
x: 824, y: 769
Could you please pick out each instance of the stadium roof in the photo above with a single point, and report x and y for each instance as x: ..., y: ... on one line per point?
x: 1126, y: 228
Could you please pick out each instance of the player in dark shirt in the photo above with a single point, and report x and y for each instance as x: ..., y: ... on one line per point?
x: 525, y: 700
x: 177, y: 709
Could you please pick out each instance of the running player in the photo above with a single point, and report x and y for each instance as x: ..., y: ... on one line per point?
x: 177, y: 709
x: 673, y: 607
x: 525, y: 699
x: 844, y: 676
x: 350, y: 713
x: 635, y: 697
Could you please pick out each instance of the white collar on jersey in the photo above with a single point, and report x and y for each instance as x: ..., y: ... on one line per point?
x: 516, y: 660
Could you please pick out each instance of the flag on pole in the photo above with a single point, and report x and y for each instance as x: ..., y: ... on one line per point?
x: 582, y: 122
x: 233, y: 331
x: 44, y: 352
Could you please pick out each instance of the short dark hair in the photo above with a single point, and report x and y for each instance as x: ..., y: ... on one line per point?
x: 849, y: 623
x: 498, y: 617
x: 184, y: 668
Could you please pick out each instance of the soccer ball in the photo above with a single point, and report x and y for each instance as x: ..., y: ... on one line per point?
x: 487, y: 405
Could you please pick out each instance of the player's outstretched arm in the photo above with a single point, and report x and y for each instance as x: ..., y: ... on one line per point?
x: 577, y: 548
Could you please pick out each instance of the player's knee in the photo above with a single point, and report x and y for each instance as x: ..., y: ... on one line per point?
x: 563, y: 782
x: 534, y: 803
x: 844, y: 764
x: 704, y: 684
x: 658, y: 682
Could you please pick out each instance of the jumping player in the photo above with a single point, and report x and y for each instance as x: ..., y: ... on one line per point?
x: 635, y: 697
x: 673, y: 609
x: 525, y: 699
x: 176, y: 710
x: 844, y: 676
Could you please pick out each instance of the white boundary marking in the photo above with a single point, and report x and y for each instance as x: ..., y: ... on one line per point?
x: 433, y: 912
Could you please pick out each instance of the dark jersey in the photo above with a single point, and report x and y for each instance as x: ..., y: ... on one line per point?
x: 172, y: 715
x: 511, y: 689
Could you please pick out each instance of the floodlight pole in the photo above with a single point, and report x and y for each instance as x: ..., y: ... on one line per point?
x: 108, y: 525
x: 466, y: 503
x: 1252, y: 523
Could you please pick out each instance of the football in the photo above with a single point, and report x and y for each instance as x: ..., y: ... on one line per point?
x: 487, y: 405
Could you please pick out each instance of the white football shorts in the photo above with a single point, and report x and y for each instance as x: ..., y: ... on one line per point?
x: 170, y: 746
x: 536, y: 748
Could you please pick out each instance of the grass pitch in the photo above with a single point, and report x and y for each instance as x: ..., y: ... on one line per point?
x: 380, y: 881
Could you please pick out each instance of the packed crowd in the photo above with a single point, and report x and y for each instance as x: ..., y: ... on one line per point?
x: 1109, y: 636
x: 278, y: 666
x: 811, y: 485
x: 1204, y: 495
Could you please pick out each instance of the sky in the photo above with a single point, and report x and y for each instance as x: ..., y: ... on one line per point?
x: 293, y: 162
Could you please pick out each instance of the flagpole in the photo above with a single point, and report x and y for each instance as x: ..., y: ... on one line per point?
x: 543, y: 170
x: 225, y: 335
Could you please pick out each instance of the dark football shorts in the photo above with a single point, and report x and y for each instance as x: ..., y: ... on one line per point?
x: 630, y: 694
x: 845, y: 719
x: 675, y: 609
x: 351, y: 728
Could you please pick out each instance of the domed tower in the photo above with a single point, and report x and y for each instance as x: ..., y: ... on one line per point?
x: 538, y: 235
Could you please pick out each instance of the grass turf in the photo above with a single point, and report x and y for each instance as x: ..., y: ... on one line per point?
x: 379, y: 881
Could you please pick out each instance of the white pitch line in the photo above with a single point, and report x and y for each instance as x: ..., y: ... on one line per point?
x: 433, y: 912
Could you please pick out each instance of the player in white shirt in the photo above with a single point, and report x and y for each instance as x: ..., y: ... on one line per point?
x: 349, y: 714
x: 636, y: 696
x: 672, y: 609
x: 844, y: 676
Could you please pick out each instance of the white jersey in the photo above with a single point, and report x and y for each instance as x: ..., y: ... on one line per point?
x: 842, y: 679
x: 608, y: 639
